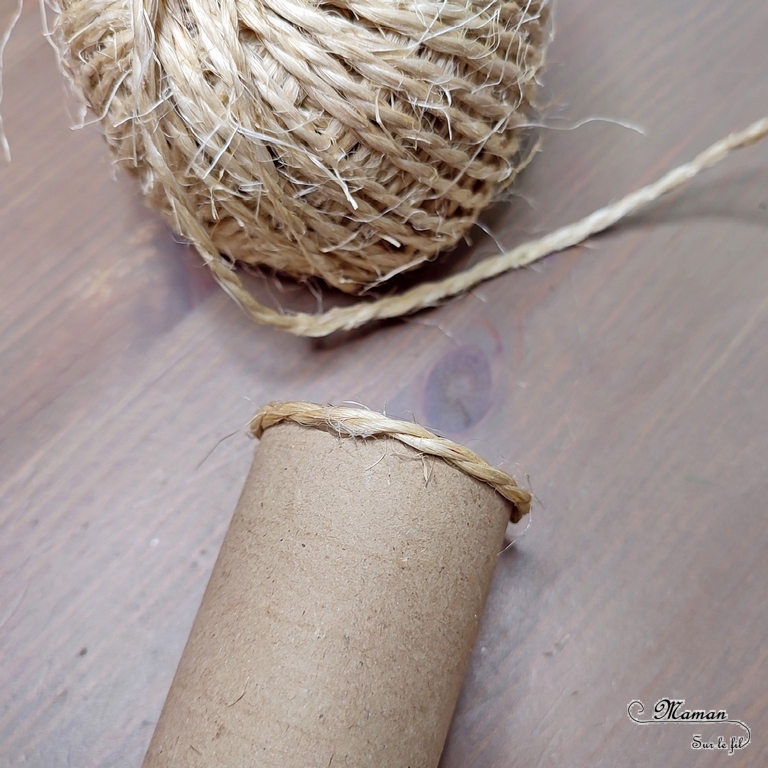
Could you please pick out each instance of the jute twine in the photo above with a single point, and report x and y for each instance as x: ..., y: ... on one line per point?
x: 345, y: 139
x: 346, y: 421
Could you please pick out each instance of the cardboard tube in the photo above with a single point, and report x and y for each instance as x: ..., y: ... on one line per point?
x: 339, y: 618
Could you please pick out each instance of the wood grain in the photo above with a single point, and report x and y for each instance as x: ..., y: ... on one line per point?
x: 626, y: 378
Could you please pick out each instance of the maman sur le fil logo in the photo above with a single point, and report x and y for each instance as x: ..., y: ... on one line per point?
x: 712, y: 729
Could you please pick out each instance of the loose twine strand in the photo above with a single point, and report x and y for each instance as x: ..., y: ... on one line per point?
x: 431, y: 293
x: 346, y: 140
x: 346, y: 421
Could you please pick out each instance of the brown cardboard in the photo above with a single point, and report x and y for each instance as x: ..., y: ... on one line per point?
x: 339, y: 619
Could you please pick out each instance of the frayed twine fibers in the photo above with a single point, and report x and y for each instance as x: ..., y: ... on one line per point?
x: 345, y: 139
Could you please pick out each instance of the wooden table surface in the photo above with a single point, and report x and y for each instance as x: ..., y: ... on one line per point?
x: 625, y: 378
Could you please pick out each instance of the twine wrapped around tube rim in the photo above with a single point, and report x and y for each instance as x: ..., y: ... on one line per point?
x: 347, y: 421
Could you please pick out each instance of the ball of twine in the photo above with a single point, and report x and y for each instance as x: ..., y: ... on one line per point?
x: 343, y: 139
